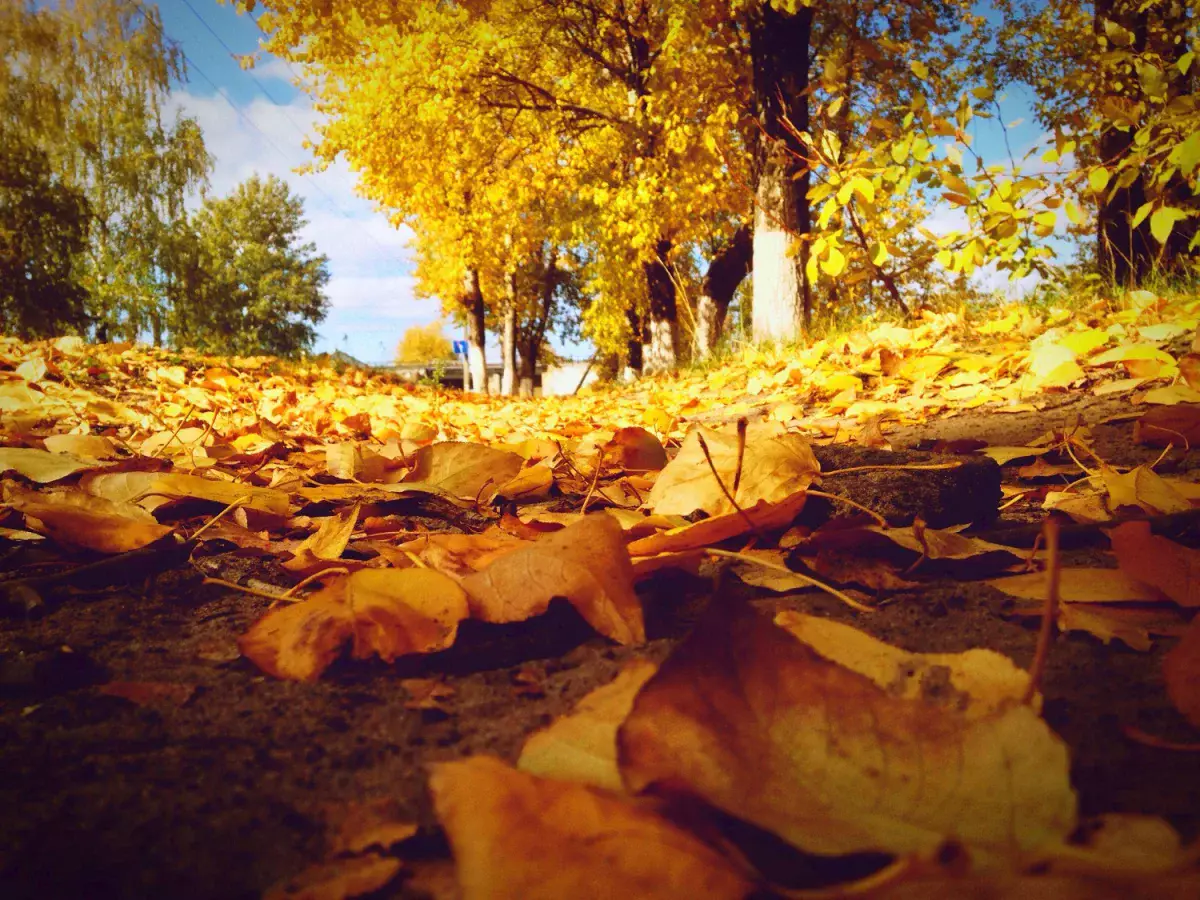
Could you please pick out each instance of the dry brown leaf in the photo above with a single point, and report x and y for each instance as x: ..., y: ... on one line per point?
x: 1080, y: 585
x: 387, y: 612
x: 1142, y: 487
x: 586, y: 563
x: 758, y: 724
x: 458, y: 555
x: 762, y: 515
x: 515, y: 835
x: 976, y: 683
x: 42, y: 466
x: 327, y: 543
x: 775, y: 466
x: 1181, y: 671
x: 81, y: 446
x: 846, y: 568
x: 1157, y: 561
x: 635, y: 449
x: 337, y: 879
x: 131, y: 487
x: 462, y: 469
x: 529, y: 485
x: 582, y: 745
x: 1164, y: 425
x: 149, y: 693
x: 82, y: 520
x: 357, y: 827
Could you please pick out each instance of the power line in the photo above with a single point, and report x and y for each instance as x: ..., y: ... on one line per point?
x: 241, y: 115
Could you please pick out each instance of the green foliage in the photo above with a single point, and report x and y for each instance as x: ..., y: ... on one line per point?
x: 43, y: 232
x: 85, y: 83
x: 246, y: 283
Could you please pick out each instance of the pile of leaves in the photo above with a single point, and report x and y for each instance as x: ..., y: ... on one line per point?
x: 395, y: 513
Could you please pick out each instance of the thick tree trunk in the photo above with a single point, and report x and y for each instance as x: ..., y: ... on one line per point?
x: 508, y: 347
x: 636, y: 342
x: 727, y: 270
x: 476, y: 333
x: 663, y: 326
x: 779, y: 45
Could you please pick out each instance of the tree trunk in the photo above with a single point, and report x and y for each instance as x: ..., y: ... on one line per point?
x: 1125, y: 254
x: 476, y: 333
x: 779, y: 48
x: 508, y: 349
x: 637, y: 339
x: 728, y: 268
x: 661, y: 348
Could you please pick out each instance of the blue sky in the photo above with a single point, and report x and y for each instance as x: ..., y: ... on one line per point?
x: 256, y: 121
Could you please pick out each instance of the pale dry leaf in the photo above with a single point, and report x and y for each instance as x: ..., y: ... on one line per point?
x: 131, y: 487
x: 519, y: 836
x: 976, y: 683
x: 463, y: 469
x: 775, y: 466
x: 79, y: 519
x: 42, y: 466
x: 758, y: 724
x: 582, y: 745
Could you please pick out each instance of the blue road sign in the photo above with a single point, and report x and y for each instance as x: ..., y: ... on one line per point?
x: 460, y: 347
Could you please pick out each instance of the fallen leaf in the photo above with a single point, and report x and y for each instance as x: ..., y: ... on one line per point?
x: 131, y: 487
x: 86, y: 521
x: 1157, y: 561
x: 458, y: 555
x: 337, y: 879
x: 975, y: 683
x: 41, y: 466
x: 462, y: 469
x: 775, y: 466
x: 357, y: 827
x: 635, y: 449
x: 327, y: 543
x: 149, y: 693
x: 1005, y: 455
x: 1080, y: 585
x: 762, y: 515
x: 1166, y: 425
x: 517, y: 835
x: 586, y: 564
x: 1181, y: 671
x: 1142, y: 487
x: 758, y: 724
x: 387, y: 612
x: 582, y: 745
x: 81, y: 446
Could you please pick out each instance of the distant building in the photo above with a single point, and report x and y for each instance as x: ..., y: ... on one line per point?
x: 556, y: 380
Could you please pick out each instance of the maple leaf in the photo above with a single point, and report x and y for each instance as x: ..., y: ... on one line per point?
x: 583, y: 841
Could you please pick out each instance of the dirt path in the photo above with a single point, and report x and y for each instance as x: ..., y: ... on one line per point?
x: 219, y: 787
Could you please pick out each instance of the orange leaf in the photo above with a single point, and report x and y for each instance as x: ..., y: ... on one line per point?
x: 1157, y: 561
x: 516, y: 835
x: 586, y: 563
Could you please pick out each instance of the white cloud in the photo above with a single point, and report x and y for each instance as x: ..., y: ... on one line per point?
x: 370, y: 288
